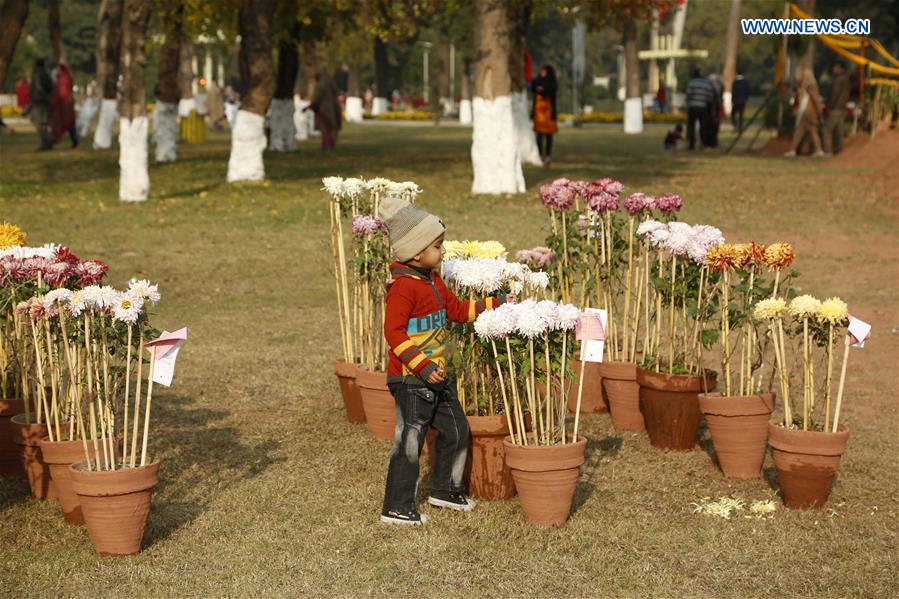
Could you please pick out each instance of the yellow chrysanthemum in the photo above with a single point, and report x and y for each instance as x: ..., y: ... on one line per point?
x: 453, y: 249
x: 742, y: 254
x: 491, y: 249
x: 833, y: 310
x: 805, y: 306
x: 11, y: 236
x: 473, y: 250
x: 769, y: 309
x: 779, y: 255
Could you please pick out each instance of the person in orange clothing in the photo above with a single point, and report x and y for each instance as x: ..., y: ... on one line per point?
x: 418, y: 307
x: 543, y: 112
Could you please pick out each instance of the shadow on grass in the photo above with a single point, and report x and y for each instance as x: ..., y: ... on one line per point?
x: 203, y: 459
x: 597, y: 450
x: 13, y: 490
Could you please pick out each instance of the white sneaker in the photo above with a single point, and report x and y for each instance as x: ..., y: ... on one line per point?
x: 455, y: 501
x: 403, y: 518
x: 789, y: 154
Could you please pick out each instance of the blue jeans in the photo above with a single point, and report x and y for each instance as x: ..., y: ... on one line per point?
x: 417, y: 409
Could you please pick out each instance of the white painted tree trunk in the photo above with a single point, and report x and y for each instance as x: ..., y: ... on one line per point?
x: 301, y: 118
x: 247, y: 145
x: 109, y: 112
x: 527, y: 141
x: 633, y: 115
x: 284, y: 132
x: 495, y: 156
x: 379, y: 105
x: 728, y: 101
x: 231, y: 113
x: 134, y: 179
x: 465, y: 112
x: 185, y: 105
x: 354, y: 109
x: 201, y: 104
x: 165, y: 131
x: 86, y: 116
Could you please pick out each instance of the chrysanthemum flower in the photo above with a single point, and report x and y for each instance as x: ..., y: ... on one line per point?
x: 757, y: 254
x: 805, y: 306
x: 833, y: 310
x: 569, y: 315
x: 127, y: 307
x: 680, y: 238
x: 334, y: 186
x: 648, y: 226
x: 57, y: 296
x: 638, y: 202
x: 11, y: 236
x: 529, y: 321
x: 89, y: 272
x: 57, y: 274
x: 353, y: 187
x: 669, y: 203
x: 551, y: 314
x: 723, y: 257
x: 378, y: 184
x: 145, y: 290
x: 743, y: 253
x: 558, y: 195
x: 769, y: 309
x: 779, y: 255
x: 364, y: 225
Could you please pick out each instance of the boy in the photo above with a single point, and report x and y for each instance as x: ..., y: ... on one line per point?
x: 417, y: 310
x: 674, y: 137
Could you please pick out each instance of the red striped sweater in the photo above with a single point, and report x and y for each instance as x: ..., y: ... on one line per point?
x: 418, y: 308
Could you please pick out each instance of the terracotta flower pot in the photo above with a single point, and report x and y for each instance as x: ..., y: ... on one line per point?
x: 352, y: 399
x: 379, y: 405
x: 670, y: 406
x: 546, y: 478
x: 806, y: 463
x: 619, y: 380
x: 59, y: 456
x: 592, y: 400
x: 486, y: 471
x: 27, y: 437
x: 115, y: 504
x: 10, y: 462
x: 739, y: 429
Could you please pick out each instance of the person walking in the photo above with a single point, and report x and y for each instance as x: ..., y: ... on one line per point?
x: 835, y: 110
x: 23, y: 94
x: 700, y: 99
x: 41, y: 95
x: 543, y: 112
x: 62, y: 120
x: 326, y: 106
x: 739, y: 98
x: 807, y: 105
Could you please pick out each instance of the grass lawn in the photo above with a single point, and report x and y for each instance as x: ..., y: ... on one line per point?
x: 267, y: 490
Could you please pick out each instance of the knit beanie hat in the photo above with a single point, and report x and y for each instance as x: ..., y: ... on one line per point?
x: 411, y: 229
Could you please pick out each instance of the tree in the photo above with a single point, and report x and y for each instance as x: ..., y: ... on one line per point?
x: 109, y: 30
x: 730, y: 53
x: 257, y: 78
x: 12, y: 19
x: 134, y: 181
x: 283, y: 130
x: 59, y: 54
x: 168, y: 93
x: 495, y: 156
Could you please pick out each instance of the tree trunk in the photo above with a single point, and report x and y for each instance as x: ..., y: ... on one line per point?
x: 354, y: 94
x: 12, y: 19
x: 495, y: 157
x: 283, y: 130
x: 382, y: 78
x: 257, y: 82
x: 633, y: 103
x: 134, y: 181
x: 519, y: 16
x: 730, y: 53
x: 465, y: 93
x: 168, y: 94
x: 59, y: 53
x: 187, y: 102
x: 109, y: 34
x: 807, y: 60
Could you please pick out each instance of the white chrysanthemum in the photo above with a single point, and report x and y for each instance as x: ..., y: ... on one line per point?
x: 127, y: 307
x: 551, y: 313
x: 353, y: 187
x: 107, y: 296
x: 529, y: 322
x: 77, y: 303
x: 377, y: 184
x: 505, y: 320
x: 538, y: 280
x: 569, y: 315
x: 516, y: 287
x: 92, y: 297
x: 484, y: 325
x: 411, y: 187
x: 145, y: 290
x: 769, y: 309
x: 334, y: 186
x: 48, y: 250
x: 659, y: 236
x: 62, y: 296
x: 680, y: 236
x: 648, y: 226
x: 395, y: 188
x: 805, y: 306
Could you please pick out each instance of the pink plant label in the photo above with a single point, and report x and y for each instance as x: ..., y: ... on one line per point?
x: 164, y: 351
x: 591, y: 332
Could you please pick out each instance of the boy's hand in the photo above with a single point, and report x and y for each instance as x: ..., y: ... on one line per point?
x: 511, y: 298
x: 438, y: 376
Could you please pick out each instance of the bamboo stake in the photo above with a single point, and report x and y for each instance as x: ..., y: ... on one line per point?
x: 502, y: 388
x: 827, y: 390
x: 580, y: 394
x: 549, y: 384
x: 805, y: 374
x: 515, y: 396
x: 532, y: 395
x: 137, y: 387
x: 143, y: 453
x: 725, y: 329
x: 42, y: 391
x: 90, y: 408
x: 671, y: 317
x: 563, y: 410
x: 627, y: 282
x: 836, y: 413
x: 127, y: 394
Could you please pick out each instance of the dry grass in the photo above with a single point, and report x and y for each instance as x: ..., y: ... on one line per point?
x: 268, y: 491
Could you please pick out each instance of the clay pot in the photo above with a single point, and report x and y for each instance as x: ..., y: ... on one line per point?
x: 670, y: 406
x: 739, y: 429
x: 379, y: 405
x: 619, y: 380
x: 806, y: 463
x: 115, y: 504
x: 59, y: 456
x: 486, y: 471
x: 546, y: 478
x: 27, y: 438
x: 10, y: 462
x: 592, y: 400
x: 352, y: 399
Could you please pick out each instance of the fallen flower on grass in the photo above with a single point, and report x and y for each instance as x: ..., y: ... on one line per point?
x: 725, y: 507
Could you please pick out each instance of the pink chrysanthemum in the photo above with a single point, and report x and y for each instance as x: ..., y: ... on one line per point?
x: 669, y: 203
x: 89, y: 272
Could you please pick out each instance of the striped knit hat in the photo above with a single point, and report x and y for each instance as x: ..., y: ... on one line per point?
x: 411, y: 229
